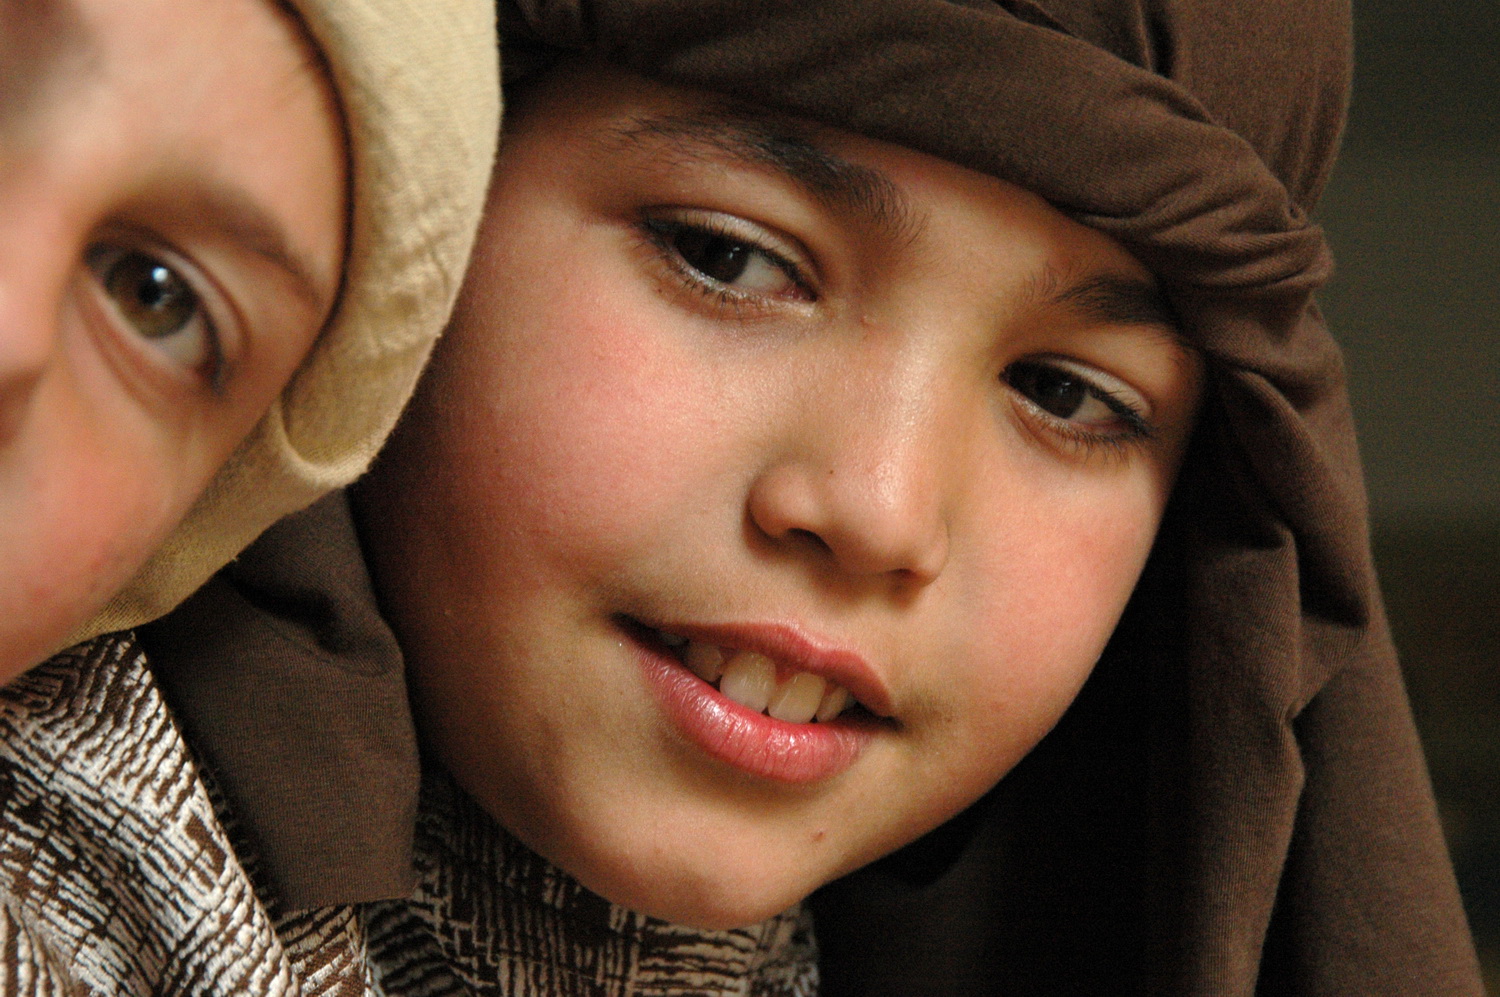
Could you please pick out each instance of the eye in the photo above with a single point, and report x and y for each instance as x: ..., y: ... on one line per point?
x: 157, y: 304
x: 1090, y: 405
x: 728, y: 256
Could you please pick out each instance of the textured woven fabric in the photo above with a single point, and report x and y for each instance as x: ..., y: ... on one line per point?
x: 121, y: 872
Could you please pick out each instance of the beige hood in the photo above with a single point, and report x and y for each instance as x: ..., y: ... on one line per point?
x: 418, y: 83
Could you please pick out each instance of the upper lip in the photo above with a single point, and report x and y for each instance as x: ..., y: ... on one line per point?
x: 795, y: 648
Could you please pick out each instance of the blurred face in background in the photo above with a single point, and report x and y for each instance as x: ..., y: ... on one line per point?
x: 172, y: 213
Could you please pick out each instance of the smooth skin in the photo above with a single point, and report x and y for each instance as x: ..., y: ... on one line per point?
x: 172, y: 223
x: 715, y: 368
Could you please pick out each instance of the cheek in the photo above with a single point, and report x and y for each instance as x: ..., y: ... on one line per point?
x: 1057, y: 584
x: 574, y: 424
x: 77, y: 519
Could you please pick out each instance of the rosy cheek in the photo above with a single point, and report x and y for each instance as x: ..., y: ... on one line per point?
x: 1055, y: 598
x: 609, y: 427
x: 64, y: 557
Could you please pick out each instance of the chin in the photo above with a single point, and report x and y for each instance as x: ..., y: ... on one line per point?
x: 709, y: 902
x: 704, y: 888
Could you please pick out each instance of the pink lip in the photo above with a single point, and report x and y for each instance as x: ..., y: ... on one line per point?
x: 750, y: 741
x: 792, y: 648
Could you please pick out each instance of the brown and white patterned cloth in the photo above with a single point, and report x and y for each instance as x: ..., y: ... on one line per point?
x: 119, y: 874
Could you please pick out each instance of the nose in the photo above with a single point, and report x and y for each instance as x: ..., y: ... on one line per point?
x: 28, y: 332
x: 863, y: 486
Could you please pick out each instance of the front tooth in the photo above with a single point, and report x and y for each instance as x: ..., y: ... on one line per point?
x: 797, y: 699
x: 705, y: 661
x: 834, y: 702
x: 749, y: 679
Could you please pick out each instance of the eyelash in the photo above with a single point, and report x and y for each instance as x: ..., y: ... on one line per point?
x: 108, y: 252
x: 662, y: 232
x: 1137, y: 428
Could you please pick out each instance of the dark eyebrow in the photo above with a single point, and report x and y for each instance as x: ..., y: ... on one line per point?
x: 763, y: 141
x: 1113, y: 299
x: 1116, y: 300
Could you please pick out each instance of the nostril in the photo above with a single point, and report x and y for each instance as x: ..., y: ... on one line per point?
x: 22, y: 365
x: 810, y: 539
x: 15, y: 399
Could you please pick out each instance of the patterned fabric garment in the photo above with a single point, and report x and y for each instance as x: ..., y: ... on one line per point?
x: 118, y: 876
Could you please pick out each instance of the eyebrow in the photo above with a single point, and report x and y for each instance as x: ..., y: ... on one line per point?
x: 219, y: 206
x: 1111, y: 299
x: 757, y: 140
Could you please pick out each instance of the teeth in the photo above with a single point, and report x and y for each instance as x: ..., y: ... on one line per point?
x: 834, y: 701
x: 749, y: 679
x: 797, y: 699
x: 705, y: 661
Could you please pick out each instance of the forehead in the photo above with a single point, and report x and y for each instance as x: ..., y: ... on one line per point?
x: 41, y: 43
x: 52, y: 51
x: 631, y: 123
x: 795, y: 150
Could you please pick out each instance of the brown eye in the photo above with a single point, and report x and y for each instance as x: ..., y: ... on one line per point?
x: 727, y: 256
x: 1080, y: 399
x: 152, y: 301
x: 1051, y: 389
x: 150, y: 295
x: 713, y: 255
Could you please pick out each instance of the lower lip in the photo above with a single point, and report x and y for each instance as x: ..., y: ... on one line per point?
x: 751, y: 742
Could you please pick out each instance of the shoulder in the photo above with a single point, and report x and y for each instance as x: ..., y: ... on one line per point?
x: 113, y: 862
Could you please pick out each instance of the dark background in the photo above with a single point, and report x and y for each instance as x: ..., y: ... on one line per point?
x: 1413, y: 213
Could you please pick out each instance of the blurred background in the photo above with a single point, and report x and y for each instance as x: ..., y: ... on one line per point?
x: 1413, y: 213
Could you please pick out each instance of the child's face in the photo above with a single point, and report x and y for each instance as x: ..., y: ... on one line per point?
x: 172, y: 198
x: 884, y: 421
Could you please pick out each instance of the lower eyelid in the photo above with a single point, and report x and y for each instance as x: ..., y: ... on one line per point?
x: 214, y: 371
x: 660, y: 224
x: 1130, y: 427
x: 1079, y: 442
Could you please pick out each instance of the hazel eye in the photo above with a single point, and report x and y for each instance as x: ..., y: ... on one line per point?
x: 157, y: 304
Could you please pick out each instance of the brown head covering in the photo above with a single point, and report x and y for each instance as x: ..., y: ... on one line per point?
x: 1237, y: 802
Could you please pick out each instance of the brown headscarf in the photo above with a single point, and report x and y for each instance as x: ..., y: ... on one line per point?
x: 1237, y: 802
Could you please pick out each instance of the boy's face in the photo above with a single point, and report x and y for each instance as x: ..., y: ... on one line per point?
x: 781, y: 401
x: 172, y: 199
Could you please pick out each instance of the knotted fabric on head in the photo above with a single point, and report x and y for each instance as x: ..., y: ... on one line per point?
x: 417, y: 82
x: 1237, y: 803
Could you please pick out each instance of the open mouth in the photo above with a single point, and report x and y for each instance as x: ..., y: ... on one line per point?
x: 764, y: 699
x: 754, y: 680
